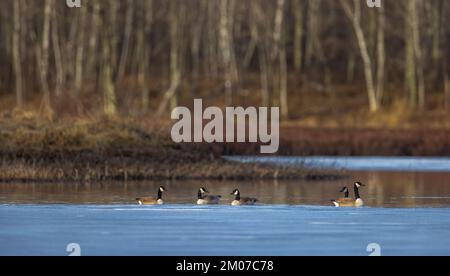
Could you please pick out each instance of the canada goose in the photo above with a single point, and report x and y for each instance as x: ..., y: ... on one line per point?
x: 350, y: 202
x: 238, y: 200
x: 151, y: 200
x: 358, y: 202
x: 207, y: 199
x: 345, y: 191
x: 344, y: 201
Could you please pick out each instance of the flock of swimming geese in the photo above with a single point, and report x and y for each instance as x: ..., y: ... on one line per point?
x: 204, y: 198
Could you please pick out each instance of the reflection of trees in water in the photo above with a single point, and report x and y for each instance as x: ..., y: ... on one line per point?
x: 383, y: 189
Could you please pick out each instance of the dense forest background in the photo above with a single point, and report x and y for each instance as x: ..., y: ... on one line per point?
x: 315, y: 59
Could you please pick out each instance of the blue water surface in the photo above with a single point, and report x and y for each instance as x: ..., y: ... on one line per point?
x: 366, y: 163
x: 221, y: 230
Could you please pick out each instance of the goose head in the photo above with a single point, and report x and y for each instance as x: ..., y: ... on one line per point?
x: 359, y: 185
x: 235, y: 192
x: 356, y: 188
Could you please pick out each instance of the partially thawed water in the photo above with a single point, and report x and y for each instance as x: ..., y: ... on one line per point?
x: 222, y: 230
x: 407, y: 213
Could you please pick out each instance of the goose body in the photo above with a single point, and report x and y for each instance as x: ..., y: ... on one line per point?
x: 345, y: 201
x: 238, y: 200
x: 359, y: 203
x: 350, y: 202
x: 203, y: 199
x: 150, y: 200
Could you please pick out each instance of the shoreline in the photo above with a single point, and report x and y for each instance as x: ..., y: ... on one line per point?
x: 119, y: 150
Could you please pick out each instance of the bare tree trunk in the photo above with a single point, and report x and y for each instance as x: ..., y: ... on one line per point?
x: 372, y: 31
x: 283, y: 83
x: 126, y: 40
x: 280, y: 51
x: 198, y: 27
x: 410, y: 61
x: 418, y: 55
x: 70, y: 50
x: 17, y: 60
x: 43, y: 58
x: 263, y: 64
x: 446, y: 55
x: 262, y: 49
x: 107, y: 84
x: 381, y: 54
x: 298, y: 34
x: 278, y: 25
x: 312, y: 30
x: 226, y: 46
x: 114, y: 7
x: 109, y: 102
x: 446, y: 88
x: 79, y: 58
x: 351, y: 67
x: 253, y: 38
x: 225, y: 49
x: 314, y: 48
x: 212, y: 39
x: 145, y: 63
x: 170, y: 96
x: 415, y: 79
x: 93, y: 41
x: 355, y: 17
x: 60, y: 70
x: 436, y: 33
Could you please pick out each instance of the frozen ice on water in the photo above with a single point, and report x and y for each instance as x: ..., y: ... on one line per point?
x: 367, y: 163
x: 221, y: 230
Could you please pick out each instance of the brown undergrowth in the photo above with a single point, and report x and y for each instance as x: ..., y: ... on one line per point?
x: 108, y: 149
x: 306, y: 141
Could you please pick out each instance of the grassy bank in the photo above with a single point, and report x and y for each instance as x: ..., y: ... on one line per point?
x: 308, y: 141
x: 34, y: 150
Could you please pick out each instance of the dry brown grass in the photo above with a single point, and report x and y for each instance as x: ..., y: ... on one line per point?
x: 356, y: 142
x: 112, y: 149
